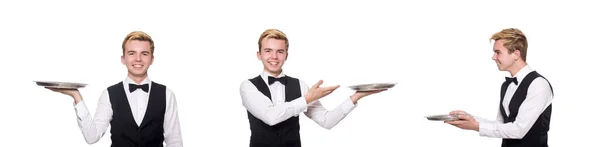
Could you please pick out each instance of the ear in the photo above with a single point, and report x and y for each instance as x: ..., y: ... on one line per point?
x: 516, y: 55
x: 151, y: 60
x: 258, y: 55
x: 123, y: 59
x: 286, y: 56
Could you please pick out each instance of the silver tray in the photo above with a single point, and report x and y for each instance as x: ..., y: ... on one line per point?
x: 372, y: 86
x: 442, y: 117
x: 60, y: 85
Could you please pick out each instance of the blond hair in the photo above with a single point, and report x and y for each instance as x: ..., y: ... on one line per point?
x: 139, y: 36
x: 514, y: 40
x: 273, y: 34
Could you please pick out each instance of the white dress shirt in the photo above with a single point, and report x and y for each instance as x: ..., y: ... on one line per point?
x: 275, y: 110
x: 539, y: 97
x: 93, y: 128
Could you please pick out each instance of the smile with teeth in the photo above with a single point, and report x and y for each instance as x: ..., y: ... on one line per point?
x: 137, y: 65
x: 273, y: 63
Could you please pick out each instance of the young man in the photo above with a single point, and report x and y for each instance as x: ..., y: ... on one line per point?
x: 140, y: 112
x: 274, y: 100
x: 525, y: 99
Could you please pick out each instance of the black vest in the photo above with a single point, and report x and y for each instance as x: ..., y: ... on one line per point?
x: 124, y: 131
x: 537, y: 136
x: 284, y: 134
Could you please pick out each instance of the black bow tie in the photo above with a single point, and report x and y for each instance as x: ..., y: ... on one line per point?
x: 133, y: 87
x: 509, y: 79
x: 282, y: 80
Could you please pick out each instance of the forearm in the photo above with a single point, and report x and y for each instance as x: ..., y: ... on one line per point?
x: 274, y: 114
x: 173, y: 134
x: 172, y: 129
x: 329, y: 119
x: 92, y: 131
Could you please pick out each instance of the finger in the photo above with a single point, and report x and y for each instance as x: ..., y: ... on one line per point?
x: 457, y: 112
x: 456, y: 122
x: 53, y: 89
x: 330, y: 88
x: 452, y: 123
x: 465, y: 117
x: 454, y: 112
x: 318, y: 84
x: 456, y: 125
x: 377, y: 91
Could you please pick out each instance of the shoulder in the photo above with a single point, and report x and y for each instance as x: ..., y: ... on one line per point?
x: 540, y: 80
x: 116, y: 85
x: 159, y: 86
x: 169, y: 93
x: 540, y: 84
x: 250, y: 83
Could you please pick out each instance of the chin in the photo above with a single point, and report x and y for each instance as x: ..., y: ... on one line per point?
x: 138, y: 73
x: 274, y: 70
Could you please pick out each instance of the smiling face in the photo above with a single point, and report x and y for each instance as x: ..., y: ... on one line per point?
x: 137, y: 57
x: 504, y: 59
x: 510, y: 50
x: 272, y: 50
x: 273, y: 54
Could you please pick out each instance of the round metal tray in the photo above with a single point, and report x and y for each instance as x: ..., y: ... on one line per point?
x: 372, y: 86
x: 442, y: 117
x: 60, y: 85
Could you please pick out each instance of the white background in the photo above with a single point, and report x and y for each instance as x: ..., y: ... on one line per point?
x: 437, y: 51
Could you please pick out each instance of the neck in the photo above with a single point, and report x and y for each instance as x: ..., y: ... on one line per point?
x: 137, y: 79
x: 517, y: 66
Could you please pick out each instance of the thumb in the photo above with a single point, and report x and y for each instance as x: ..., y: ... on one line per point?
x: 318, y: 84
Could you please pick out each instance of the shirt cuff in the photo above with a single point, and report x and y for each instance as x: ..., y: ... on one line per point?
x: 486, y: 128
x: 479, y: 119
x: 348, y: 105
x: 81, y: 110
x: 300, y: 105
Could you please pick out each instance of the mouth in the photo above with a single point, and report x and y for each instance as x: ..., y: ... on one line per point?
x: 137, y: 65
x: 273, y: 63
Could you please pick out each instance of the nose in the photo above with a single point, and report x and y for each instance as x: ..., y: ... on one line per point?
x: 273, y: 56
x: 494, y: 57
x: 138, y: 57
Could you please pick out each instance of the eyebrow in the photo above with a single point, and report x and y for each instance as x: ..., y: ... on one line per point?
x: 274, y: 49
x: 136, y: 51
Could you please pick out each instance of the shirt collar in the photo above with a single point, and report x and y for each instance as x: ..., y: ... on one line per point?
x: 265, y: 76
x: 130, y: 81
x: 522, y: 73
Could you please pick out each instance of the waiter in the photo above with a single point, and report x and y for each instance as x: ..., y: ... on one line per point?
x: 141, y: 112
x: 274, y: 100
x: 525, y: 98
